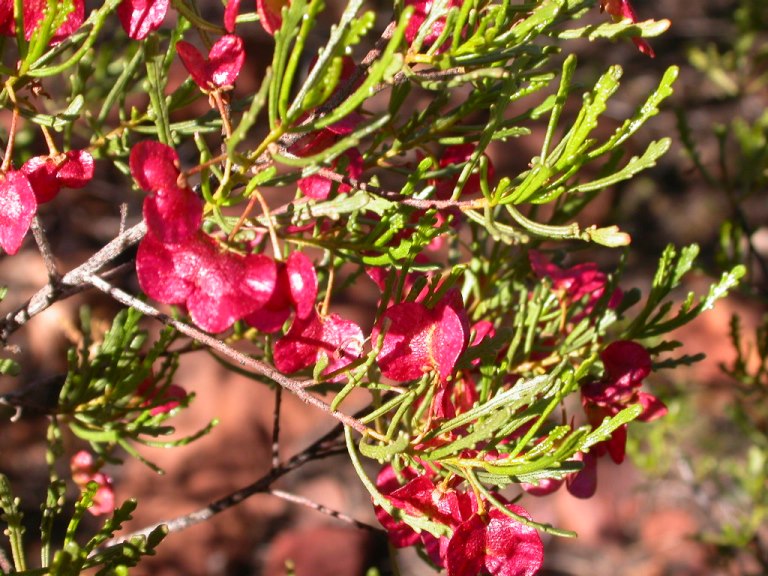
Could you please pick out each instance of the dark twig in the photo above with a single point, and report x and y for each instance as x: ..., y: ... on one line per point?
x: 261, y: 368
x: 276, y: 428
x: 324, y: 447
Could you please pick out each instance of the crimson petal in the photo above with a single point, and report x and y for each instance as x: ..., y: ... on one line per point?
x: 230, y: 15
x: 420, y: 339
x: 167, y: 272
x: 154, y: 166
x: 194, y: 62
x: 140, y: 17
x: 17, y: 208
x: 76, y: 170
x: 511, y: 547
x: 270, y: 14
x: 225, y: 60
x: 302, y: 281
x: 173, y: 215
x: 626, y: 363
x: 41, y: 172
x: 34, y: 12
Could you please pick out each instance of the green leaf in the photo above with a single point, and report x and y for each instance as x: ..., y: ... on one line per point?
x: 636, y: 164
x: 384, y: 452
x: 613, y: 30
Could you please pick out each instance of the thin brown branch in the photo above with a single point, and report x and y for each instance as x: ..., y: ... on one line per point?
x: 317, y: 507
x: 421, y: 204
x: 321, y: 448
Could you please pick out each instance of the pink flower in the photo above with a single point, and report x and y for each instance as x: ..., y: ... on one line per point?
x: 220, y: 69
x: 270, y: 14
x: 419, y: 339
x: 296, y: 289
x: 218, y: 288
x: 48, y: 174
x: 17, y: 208
x: 622, y: 10
x: 84, y: 471
x: 140, y: 17
x: 315, y: 336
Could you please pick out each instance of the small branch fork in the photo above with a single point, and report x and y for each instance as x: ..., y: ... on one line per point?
x: 261, y: 368
x: 324, y: 447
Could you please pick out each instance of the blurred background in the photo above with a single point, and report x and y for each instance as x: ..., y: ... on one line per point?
x: 693, y: 497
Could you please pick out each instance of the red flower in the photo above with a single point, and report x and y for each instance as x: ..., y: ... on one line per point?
x: 220, y: 69
x: 217, y: 288
x: 576, y: 282
x: 495, y: 543
x: 154, y: 166
x: 399, y: 533
x: 583, y: 483
x: 162, y: 400
x: 270, y: 14
x: 622, y: 10
x: 17, y: 208
x: 419, y: 339
x: 421, y: 11
x: 230, y: 15
x: 482, y: 542
x: 140, y: 17
x: 34, y: 12
x: 310, y: 338
x: 319, y: 187
x: 296, y: 288
x: 48, y: 174
x: 172, y: 213
x: 626, y: 364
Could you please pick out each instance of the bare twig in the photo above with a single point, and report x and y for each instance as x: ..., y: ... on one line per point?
x: 45, y: 249
x: 322, y: 509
